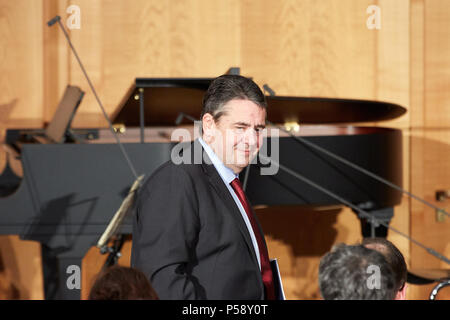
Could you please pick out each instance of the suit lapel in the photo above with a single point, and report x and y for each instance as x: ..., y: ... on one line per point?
x: 224, y: 194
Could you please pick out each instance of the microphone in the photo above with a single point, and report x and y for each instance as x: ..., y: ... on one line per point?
x: 183, y: 115
x: 53, y: 21
x: 269, y: 90
x: 179, y: 118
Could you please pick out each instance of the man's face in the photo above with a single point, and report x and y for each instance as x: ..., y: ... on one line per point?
x: 237, y: 136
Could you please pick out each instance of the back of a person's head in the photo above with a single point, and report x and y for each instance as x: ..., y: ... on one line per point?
x: 122, y: 283
x: 393, y: 256
x: 355, y: 273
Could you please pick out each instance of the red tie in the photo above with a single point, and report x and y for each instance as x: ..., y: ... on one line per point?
x: 266, y: 270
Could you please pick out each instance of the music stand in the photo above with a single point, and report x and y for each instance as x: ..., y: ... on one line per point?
x: 62, y: 119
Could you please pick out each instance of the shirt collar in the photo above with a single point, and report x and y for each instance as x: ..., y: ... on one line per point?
x: 225, y: 173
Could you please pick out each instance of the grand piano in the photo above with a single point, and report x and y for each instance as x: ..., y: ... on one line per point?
x: 70, y: 189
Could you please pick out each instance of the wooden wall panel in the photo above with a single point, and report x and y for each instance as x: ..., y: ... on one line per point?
x: 21, y: 104
x: 21, y: 264
x: 21, y: 57
x: 437, y: 64
x: 431, y: 150
x: 392, y: 85
x: 55, y: 63
x: 430, y: 80
x: 119, y: 42
x: 417, y: 67
x: 310, y: 48
x: 434, y: 167
x: 393, y: 58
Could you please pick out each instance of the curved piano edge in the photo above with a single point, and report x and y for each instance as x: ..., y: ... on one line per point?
x: 16, y: 203
x: 417, y: 280
x: 9, y: 181
x: 427, y: 276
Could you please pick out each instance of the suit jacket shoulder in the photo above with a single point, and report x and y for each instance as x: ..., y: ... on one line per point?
x: 190, y: 239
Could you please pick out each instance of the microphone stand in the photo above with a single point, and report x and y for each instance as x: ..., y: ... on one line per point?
x: 363, y: 213
x: 350, y: 164
x: 127, y: 203
x: 130, y: 165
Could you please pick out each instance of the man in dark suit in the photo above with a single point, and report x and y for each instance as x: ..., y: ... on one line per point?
x: 194, y: 233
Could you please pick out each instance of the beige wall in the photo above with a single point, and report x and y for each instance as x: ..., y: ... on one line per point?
x: 298, y: 47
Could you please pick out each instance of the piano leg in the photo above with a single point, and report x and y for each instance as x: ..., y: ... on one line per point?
x: 372, y: 229
x: 62, y: 275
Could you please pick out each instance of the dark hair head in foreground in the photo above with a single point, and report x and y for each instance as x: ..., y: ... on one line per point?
x: 122, y: 283
x: 354, y: 272
x: 395, y: 259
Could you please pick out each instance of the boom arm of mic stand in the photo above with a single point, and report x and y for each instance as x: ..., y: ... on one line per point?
x: 53, y: 21
x: 100, y: 104
x: 358, y: 168
x: 363, y: 213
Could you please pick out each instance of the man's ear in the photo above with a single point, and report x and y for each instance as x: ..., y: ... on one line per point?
x: 208, y: 125
x: 401, y: 295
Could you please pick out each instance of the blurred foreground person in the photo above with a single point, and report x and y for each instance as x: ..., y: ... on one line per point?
x: 122, y: 283
x: 354, y: 272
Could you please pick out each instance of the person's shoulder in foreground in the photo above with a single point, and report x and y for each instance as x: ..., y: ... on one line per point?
x: 122, y: 283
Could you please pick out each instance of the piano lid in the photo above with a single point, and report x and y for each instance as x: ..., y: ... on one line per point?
x: 329, y: 110
x: 165, y: 98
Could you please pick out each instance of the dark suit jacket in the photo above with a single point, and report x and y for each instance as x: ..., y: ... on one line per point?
x: 190, y: 239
